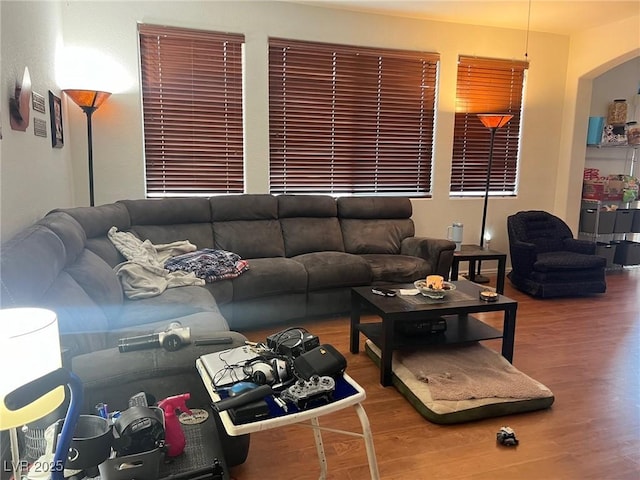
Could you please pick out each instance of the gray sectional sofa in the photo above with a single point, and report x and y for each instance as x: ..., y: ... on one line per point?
x: 304, y: 255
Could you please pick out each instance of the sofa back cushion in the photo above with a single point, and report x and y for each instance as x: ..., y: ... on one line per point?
x: 69, y: 231
x: 247, y: 225
x: 96, y: 222
x: 35, y: 272
x: 99, y: 281
x: 309, y: 224
x: 375, y: 224
x: 30, y: 263
x: 169, y: 220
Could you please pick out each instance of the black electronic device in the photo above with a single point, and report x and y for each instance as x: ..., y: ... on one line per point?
x: 250, y: 412
x: 138, y: 429
x: 171, y: 339
x: 292, y: 342
x: 322, y: 360
x: 245, y: 398
x: 434, y: 326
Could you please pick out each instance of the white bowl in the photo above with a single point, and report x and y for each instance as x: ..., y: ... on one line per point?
x: 432, y: 293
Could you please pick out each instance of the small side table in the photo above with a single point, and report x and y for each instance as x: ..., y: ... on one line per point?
x: 307, y: 418
x: 475, y: 253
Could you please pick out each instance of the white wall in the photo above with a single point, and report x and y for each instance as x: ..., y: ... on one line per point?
x: 591, y: 54
x: 117, y: 128
x: 34, y: 178
x: 546, y: 157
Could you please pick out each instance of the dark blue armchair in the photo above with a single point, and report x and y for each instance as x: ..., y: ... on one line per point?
x: 547, y: 261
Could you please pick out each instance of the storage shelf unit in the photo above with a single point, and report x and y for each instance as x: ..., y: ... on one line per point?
x: 613, y: 231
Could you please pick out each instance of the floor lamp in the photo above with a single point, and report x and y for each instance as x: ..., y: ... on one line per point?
x: 33, y: 380
x: 88, y: 101
x: 493, y: 121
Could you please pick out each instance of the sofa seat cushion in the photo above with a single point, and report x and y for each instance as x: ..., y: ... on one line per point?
x: 397, y: 268
x: 571, y: 276
x: 567, y: 261
x: 270, y: 276
x: 334, y: 269
x: 172, y: 303
x: 222, y: 291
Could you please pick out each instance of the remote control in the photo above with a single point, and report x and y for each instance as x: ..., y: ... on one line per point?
x: 384, y: 292
x: 214, y: 341
x: 244, y: 398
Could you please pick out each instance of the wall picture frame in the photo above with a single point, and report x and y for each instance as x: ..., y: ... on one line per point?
x: 55, y: 112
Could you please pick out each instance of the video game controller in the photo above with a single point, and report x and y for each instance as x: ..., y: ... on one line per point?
x: 317, y: 388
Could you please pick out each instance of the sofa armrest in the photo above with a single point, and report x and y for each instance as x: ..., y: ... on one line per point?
x: 523, y: 256
x: 580, y: 246
x: 438, y: 252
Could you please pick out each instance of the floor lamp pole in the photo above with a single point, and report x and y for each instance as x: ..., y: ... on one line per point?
x: 493, y: 121
x: 480, y: 278
x: 486, y: 187
x: 88, y: 101
x: 89, y: 111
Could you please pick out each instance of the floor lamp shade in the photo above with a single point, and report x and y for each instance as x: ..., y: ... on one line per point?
x: 89, y: 101
x: 88, y: 98
x: 29, y: 349
x: 494, y: 120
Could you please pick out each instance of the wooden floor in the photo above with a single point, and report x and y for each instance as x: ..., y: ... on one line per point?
x: 586, y: 350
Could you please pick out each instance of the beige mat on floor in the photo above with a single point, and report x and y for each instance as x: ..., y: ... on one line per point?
x: 462, y: 383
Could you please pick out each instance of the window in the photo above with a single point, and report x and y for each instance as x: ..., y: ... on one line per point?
x: 486, y: 86
x: 192, y: 110
x: 349, y: 120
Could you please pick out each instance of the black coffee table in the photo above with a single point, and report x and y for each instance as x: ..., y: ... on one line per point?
x: 455, y: 309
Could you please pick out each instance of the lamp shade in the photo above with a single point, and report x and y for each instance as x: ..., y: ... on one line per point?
x: 494, y: 120
x: 88, y: 98
x: 29, y: 349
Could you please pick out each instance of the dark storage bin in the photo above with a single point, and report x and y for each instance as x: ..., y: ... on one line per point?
x: 627, y: 253
x: 608, y: 251
x: 140, y: 466
x: 635, y: 225
x: 588, y: 221
x: 624, y: 221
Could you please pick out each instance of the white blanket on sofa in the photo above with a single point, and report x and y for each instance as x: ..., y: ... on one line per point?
x: 143, y: 274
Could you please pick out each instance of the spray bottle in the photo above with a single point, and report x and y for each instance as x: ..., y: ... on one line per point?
x: 174, y: 435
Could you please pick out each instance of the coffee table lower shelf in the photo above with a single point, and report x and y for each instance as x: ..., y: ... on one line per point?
x: 459, y: 331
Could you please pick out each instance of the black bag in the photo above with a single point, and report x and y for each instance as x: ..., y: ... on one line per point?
x: 322, y: 360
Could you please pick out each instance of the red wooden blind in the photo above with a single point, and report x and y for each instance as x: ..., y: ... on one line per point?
x: 192, y: 107
x: 486, y: 86
x: 350, y: 120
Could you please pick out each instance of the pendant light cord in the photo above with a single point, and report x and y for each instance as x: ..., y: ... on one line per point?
x: 526, y: 46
